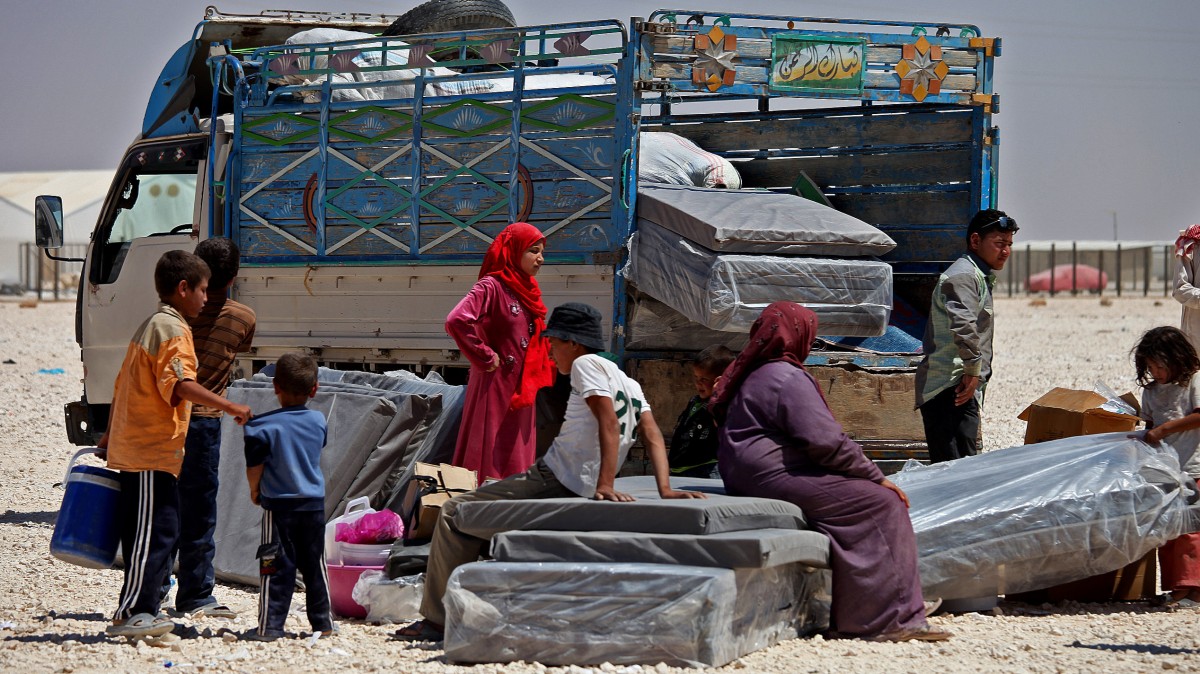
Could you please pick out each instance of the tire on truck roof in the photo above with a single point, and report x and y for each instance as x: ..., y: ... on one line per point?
x: 438, y: 16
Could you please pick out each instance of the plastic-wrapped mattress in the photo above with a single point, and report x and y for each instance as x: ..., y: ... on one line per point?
x: 580, y: 614
x: 758, y: 221
x: 851, y: 297
x: 1034, y: 516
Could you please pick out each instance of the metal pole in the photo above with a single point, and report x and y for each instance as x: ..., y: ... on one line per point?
x: 1074, y: 269
x: 1146, y: 278
x: 23, y: 266
x: 39, y: 276
x: 1028, y: 265
x: 1103, y: 282
x: 1118, y: 269
x: 1167, y: 270
x: 1052, y: 270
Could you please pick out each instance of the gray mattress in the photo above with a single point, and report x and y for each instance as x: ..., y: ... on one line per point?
x: 368, y: 437
x: 781, y: 223
x: 648, y: 514
x: 759, y: 548
x: 580, y: 614
x: 851, y: 297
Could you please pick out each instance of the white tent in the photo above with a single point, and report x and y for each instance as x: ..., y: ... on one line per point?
x: 82, y: 193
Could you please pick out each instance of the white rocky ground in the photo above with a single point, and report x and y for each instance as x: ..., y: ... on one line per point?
x: 52, y: 615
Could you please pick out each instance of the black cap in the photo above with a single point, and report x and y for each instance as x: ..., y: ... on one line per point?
x: 577, y: 322
x: 989, y: 219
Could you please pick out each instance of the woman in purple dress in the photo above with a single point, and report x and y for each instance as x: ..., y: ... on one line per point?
x: 778, y: 439
x: 498, y: 327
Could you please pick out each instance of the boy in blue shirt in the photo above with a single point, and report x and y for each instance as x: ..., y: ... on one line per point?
x: 283, y: 465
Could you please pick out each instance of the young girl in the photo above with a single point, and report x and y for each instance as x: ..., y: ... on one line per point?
x: 1166, y: 369
x: 498, y: 327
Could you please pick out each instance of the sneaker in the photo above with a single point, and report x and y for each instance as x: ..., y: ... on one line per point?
x: 140, y: 625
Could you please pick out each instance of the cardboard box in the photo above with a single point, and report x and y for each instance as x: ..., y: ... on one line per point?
x: 1065, y: 413
x: 430, y: 487
x: 1134, y: 582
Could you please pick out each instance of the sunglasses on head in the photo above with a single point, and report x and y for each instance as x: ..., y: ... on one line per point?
x: 1003, y: 223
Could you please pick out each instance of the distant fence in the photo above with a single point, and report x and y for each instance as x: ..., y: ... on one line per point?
x: 1136, y: 268
x: 1131, y: 269
x: 40, y: 274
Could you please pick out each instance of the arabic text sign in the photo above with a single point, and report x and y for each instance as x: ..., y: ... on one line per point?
x: 817, y: 63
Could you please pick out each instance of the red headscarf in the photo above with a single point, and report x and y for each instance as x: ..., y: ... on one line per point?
x: 1186, y: 241
x: 785, y: 331
x: 503, y: 260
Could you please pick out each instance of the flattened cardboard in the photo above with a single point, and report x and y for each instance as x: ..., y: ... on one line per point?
x: 1064, y: 413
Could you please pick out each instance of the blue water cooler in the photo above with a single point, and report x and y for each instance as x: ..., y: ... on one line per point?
x: 86, y: 532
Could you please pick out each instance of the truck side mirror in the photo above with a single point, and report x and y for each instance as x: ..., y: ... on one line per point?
x: 48, y: 221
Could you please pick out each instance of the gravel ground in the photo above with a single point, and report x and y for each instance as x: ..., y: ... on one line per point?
x: 52, y: 615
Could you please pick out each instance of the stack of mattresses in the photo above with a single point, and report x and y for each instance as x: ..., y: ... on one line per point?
x: 718, y: 257
x: 688, y: 583
x: 379, y: 426
x: 1035, y: 516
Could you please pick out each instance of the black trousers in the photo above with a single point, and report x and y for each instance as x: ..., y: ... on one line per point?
x: 292, y: 541
x: 149, y: 512
x: 951, y: 431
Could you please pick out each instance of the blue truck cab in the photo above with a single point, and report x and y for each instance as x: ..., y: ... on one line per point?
x: 363, y: 177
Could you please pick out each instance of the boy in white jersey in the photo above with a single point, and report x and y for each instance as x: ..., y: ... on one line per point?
x: 605, y: 413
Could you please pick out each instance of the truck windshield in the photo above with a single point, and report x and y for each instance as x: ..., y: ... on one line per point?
x: 162, y: 202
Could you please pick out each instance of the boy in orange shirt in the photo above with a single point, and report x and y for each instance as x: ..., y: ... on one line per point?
x: 151, y: 405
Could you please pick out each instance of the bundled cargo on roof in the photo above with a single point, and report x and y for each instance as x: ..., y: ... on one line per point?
x: 670, y: 159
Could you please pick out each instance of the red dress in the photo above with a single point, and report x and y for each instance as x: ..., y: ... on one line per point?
x: 493, y: 440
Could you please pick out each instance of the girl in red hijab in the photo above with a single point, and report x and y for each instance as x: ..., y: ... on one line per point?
x: 498, y: 327
x: 778, y: 439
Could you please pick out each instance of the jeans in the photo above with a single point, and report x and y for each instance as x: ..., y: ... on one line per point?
x: 198, y: 514
x: 451, y: 549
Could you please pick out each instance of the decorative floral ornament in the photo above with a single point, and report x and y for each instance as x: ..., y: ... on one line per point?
x: 714, y: 66
x: 497, y: 51
x: 921, y: 69
x: 285, y: 64
x: 572, y: 44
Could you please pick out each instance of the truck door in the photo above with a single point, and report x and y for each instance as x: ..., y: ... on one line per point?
x: 151, y: 208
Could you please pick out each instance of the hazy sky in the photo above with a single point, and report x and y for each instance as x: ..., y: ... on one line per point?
x: 1099, y: 98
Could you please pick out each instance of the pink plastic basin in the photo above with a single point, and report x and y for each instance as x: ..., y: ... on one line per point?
x: 341, y: 589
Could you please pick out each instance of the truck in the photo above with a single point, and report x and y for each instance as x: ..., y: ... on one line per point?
x: 363, y: 177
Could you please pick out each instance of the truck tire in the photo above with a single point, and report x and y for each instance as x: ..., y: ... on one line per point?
x: 438, y: 16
